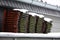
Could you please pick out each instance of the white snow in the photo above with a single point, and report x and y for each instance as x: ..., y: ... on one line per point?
x: 48, y: 19
x: 35, y: 14
x: 41, y: 16
x: 22, y: 10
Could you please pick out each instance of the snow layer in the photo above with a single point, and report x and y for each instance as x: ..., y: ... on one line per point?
x: 48, y: 19
x: 22, y: 10
x: 35, y: 14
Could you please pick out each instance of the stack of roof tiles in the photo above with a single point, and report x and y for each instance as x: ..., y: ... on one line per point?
x: 11, y: 21
x: 23, y: 23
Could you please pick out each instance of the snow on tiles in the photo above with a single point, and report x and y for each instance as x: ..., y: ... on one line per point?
x: 48, y: 19
x: 33, y: 14
x: 41, y: 16
x: 22, y: 10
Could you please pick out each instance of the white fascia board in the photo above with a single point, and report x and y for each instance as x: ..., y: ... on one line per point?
x: 48, y: 35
